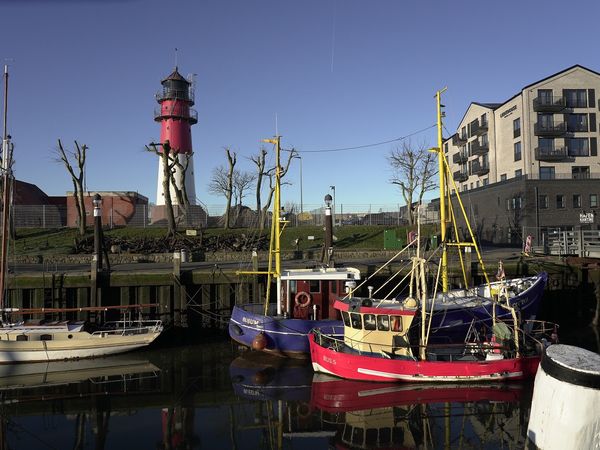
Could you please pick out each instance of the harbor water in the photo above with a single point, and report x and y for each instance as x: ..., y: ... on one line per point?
x: 215, y: 395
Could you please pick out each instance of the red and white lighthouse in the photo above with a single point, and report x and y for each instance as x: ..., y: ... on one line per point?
x: 176, y: 118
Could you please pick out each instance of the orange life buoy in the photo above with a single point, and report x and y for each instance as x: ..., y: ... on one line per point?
x: 302, y: 299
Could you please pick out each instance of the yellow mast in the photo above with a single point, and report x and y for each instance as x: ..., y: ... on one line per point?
x: 442, y: 172
x: 275, y: 244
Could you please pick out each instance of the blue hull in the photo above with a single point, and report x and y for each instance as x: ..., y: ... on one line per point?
x: 284, y: 336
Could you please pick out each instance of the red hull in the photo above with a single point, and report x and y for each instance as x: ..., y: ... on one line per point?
x: 370, y: 368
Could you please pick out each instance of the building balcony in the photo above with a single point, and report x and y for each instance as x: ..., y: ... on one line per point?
x: 552, y: 154
x: 458, y: 140
x: 549, y: 104
x: 189, y: 114
x: 479, y: 129
x: 460, y: 176
x: 479, y: 148
x: 460, y: 158
x: 550, y: 129
x: 480, y: 169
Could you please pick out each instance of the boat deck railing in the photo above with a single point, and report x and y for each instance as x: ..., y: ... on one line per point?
x: 129, y: 327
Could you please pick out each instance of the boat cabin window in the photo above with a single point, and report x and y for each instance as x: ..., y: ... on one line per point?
x: 357, y: 436
x: 355, y: 319
x: 370, y: 322
x: 315, y: 286
x: 371, y: 437
x: 334, y: 287
x: 293, y: 286
x: 22, y: 337
x: 383, y: 323
x: 46, y: 337
x: 346, y: 318
x: 396, y: 323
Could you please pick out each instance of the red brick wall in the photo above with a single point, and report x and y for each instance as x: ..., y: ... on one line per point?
x: 121, y: 207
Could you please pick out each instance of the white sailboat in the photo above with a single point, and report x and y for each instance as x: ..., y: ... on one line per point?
x: 48, y: 341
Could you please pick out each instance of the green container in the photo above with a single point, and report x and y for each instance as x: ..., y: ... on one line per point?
x: 434, y: 241
x: 391, y: 241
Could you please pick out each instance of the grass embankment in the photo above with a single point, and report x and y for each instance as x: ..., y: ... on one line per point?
x: 32, y: 241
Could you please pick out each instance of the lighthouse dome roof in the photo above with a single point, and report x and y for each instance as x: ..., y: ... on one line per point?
x: 175, y: 76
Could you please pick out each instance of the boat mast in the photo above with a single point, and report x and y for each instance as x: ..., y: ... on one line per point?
x: 442, y: 172
x: 6, y: 176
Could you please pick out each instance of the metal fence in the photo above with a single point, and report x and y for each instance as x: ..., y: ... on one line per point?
x: 212, y: 216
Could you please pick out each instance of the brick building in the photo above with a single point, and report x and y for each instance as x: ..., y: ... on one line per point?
x: 118, y: 208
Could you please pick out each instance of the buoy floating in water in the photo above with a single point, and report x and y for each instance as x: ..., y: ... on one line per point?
x: 564, y: 411
x: 259, y: 342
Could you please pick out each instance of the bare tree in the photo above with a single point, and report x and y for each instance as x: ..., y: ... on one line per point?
x: 241, y: 182
x: 77, y: 177
x: 221, y: 182
x: 181, y: 190
x: 167, y: 164
x: 413, y: 172
x: 260, y: 161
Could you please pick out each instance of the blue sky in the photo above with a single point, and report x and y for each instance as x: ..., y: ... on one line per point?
x: 335, y: 73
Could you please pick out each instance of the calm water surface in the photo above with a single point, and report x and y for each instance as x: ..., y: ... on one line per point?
x: 214, y: 396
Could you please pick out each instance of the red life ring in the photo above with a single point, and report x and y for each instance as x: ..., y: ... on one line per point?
x: 302, y: 299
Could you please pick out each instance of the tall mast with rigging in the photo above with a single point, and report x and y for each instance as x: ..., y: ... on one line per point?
x: 6, y: 194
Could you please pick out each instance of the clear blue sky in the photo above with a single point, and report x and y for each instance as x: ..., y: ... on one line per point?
x: 335, y: 73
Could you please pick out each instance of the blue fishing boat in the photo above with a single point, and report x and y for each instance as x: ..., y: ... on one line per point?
x: 305, y: 297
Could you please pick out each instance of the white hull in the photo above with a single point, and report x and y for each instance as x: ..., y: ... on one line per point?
x: 36, y: 344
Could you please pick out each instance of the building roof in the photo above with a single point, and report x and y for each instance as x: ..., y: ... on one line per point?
x: 175, y: 75
x: 29, y: 194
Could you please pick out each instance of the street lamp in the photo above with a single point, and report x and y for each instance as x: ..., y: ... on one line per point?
x: 333, y: 189
x: 97, y: 202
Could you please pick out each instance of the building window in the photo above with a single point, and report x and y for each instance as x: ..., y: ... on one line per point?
x: 577, y: 122
x: 560, y: 201
x: 578, y: 146
x: 547, y: 173
x: 464, y: 187
x: 576, y: 201
x: 446, y: 147
x: 485, y: 181
x: 580, y: 172
x: 545, y: 122
x: 546, y: 145
x: 593, y: 200
x: 543, y: 201
x: 503, y: 177
x: 518, y: 173
x: 463, y: 133
x: 576, y: 98
x: 518, y: 151
x: 545, y: 96
x: 484, y: 121
x: 517, y: 127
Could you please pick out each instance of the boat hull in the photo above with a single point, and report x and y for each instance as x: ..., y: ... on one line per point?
x: 48, y: 344
x: 372, y: 368
x: 283, y: 336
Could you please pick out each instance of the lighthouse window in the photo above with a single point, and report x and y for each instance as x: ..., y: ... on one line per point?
x: 356, y: 322
x: 346, y: 318
x: 383, y: 323
x: 370, y: 323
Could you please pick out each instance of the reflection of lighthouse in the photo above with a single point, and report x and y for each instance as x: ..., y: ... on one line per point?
x: 176, y: 117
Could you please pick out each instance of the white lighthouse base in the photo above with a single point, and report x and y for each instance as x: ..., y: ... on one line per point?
x: 189, y: 182
x: 565, y: 412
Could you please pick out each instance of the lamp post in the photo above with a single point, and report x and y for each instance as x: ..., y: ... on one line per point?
x: 97, y: 201
x: 328, y: 244
x: 333, y: 189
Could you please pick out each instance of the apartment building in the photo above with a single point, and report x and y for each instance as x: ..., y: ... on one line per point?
x: 530, y: 165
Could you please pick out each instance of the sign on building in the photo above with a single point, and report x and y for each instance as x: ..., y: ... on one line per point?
x: 586, y: 217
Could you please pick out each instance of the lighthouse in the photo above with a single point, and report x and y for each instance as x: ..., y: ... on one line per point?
x: 176, y: 117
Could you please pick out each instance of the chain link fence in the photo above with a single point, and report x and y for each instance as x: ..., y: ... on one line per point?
x: 213, y: 216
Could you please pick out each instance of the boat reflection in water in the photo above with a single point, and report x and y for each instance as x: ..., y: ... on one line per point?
x: 371, y: 415
x: 206, y: 396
